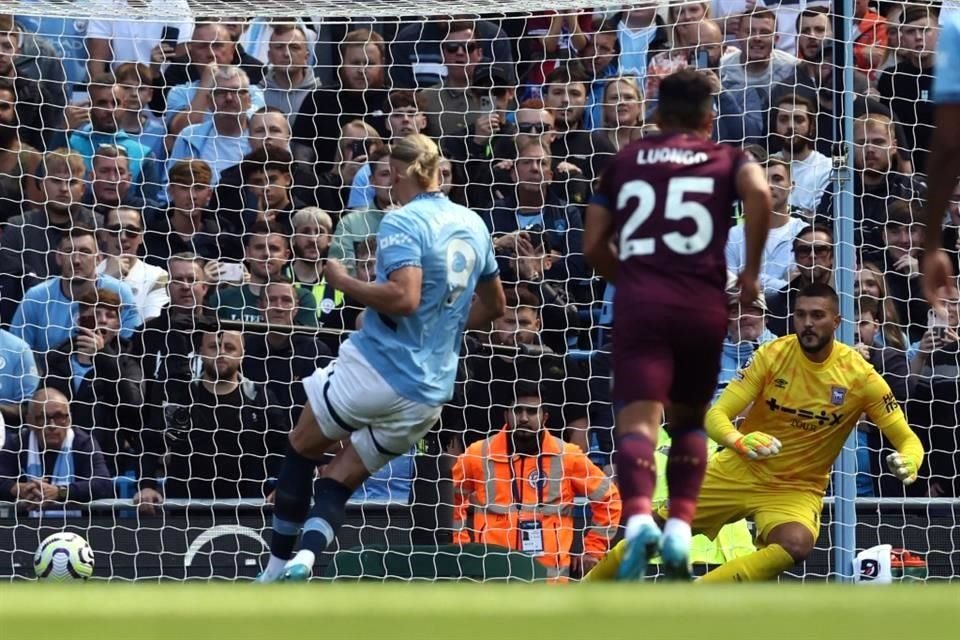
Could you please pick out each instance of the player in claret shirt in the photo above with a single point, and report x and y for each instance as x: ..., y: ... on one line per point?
x: 657, y: 228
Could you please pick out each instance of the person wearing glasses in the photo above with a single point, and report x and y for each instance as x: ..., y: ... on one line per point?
x: 222, y: 140
x: 120, y: 241
x: 813, y: 263
x: 451, y: 106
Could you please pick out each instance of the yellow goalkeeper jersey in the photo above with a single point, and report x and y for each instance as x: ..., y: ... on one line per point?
x: 811, y: 408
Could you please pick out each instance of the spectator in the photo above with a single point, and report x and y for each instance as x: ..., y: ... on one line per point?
x: 281, y: 358
x: 256, y: 34
x: 906, y: 87
x: 113, y: 40
x: 417, y: 51
x: 794, y: 129
x: 813, y: 256
x: 311, y: 247
x: 192, y: 87
x: 599, y: 62
x: 18, y: 159
x: 66, y: 37
x: 31, y: 65
x: 871, y: 285
x: 28, y: 243
x: 531, y: 206
x: 876, y: 180
x: 228, y: 437
x: 815, y: 76
x: 120, y: 241
x: 135, y: 118
x: 49, y: 462
x: 402, y: 115
x: 110, y: 185
x: 47, y: 315
x: 19, y: 379
x: 451, y: 106
x: 186, y: 225
x: 778, y: 251
x: 103, y: 131
x: 101, y: 382
x: 289, y: 79
x: 485, y: 475
x: 746, y: 331
x: 903, y: 239
x: 266, y: 253
x: 551, y: 38
x: 748, y: 75
x: 361, y: 90
x: 623, y: 112
x: 269, y: 134
x: 641, y: 34
x: 221, y: 140
x: 357, y: 142
x: 870, y: 40
x: 268, y: 190
x: 355, y: 226
x: 693, y: 33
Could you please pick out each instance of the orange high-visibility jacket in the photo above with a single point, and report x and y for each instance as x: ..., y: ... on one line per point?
x: 496, y: 492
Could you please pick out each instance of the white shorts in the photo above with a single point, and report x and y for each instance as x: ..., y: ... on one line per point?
x: 349, y: 398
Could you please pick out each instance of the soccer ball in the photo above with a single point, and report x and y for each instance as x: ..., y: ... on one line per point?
x: 63, y: 556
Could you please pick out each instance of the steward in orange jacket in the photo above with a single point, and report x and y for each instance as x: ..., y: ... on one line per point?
x: 517, y: 490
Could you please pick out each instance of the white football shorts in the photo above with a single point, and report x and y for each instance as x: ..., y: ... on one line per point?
x: 350, y: 399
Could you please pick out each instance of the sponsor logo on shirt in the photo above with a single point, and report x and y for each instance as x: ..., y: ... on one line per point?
x: 395, y: 239
x: 806, y: 419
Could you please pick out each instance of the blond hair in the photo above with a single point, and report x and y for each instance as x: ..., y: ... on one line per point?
x: 422, y: 156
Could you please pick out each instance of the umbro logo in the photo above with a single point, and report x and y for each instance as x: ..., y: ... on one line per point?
x: 780, y: 383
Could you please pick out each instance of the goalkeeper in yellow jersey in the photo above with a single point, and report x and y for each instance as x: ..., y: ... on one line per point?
x: 807, y: 393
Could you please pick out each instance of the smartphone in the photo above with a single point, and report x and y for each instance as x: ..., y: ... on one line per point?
x: 936, y: 324
x: 359, y: 148
x: 88, y: 321
x: 170, y: 36
x: 703, y: 59
x: 486, y: 104
x: 232, y: 273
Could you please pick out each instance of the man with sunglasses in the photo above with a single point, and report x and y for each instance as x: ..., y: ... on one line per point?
x: 119, y: 241
x: 813, y: 263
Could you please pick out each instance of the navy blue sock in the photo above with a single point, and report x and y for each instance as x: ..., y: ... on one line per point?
x: 326, y: 517
x: 291, y: 502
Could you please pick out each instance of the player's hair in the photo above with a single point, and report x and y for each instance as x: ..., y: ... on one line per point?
x: 686, y: 100
x: 820, y: 290
x: 421, y: 155
x: 811, y: 12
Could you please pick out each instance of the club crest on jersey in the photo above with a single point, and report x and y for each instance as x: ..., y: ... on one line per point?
x: 535, y: 480
x: 837, y: 396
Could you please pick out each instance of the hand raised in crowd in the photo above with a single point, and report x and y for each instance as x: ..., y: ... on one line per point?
x: 77, y: 115
x: 161, y: 53
x: 907, y: 264
x: 863, y: 350
x: 335, y: 273
x: 88, y: 342
x: 485, y: 126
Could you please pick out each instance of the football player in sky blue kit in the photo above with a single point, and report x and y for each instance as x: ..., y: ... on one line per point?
x: 943, y: 166
x: 392, y: 377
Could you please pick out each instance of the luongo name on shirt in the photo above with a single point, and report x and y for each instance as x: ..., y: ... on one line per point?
x: 671, y: 156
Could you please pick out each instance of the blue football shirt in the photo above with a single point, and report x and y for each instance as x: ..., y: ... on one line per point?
x: 946, y: 77
x: 417, y: 354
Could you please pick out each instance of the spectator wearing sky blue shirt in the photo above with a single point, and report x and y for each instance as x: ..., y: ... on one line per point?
x: 47, y: 316
x: 18, y: 377
x: 222, y: 139
x: 66, y: 36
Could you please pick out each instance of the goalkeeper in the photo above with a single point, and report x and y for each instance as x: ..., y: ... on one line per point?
x: 807, y: 393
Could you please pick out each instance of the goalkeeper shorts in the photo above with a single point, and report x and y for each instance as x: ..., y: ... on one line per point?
x: 349, y: 398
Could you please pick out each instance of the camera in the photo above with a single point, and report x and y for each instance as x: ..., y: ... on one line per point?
x: 176, y: 422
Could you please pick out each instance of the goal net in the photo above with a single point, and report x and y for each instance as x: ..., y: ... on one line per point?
x: 176, y: 174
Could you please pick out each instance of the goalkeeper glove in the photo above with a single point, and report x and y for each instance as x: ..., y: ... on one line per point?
x: 904, y: 468
x: 757, y: 446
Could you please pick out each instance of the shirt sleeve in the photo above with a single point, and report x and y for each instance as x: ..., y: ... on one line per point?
x: 490, y: 268
x: 745, y: 387
x: 946, y: 76
x: 29, y: 379
x: 129, y: 314
x: 398, y: 245
x: 884, y: 411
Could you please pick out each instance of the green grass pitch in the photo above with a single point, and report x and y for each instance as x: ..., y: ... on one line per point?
x: 489, y: 612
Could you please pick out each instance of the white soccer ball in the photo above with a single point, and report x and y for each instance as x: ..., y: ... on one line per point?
x: 63, y: 556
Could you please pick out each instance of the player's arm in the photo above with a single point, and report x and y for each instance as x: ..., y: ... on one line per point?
x: 754, y: 192
x: 744, y: 389
x: 885, y: 412
x: 399, y: 295
x: 598, y: 246
x: 489, y: 303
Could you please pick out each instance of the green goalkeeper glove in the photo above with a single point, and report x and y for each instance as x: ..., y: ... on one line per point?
x: 757, y: 446
x: 904, y: 468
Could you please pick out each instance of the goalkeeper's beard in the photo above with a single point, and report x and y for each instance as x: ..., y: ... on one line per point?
x: 813, y: 347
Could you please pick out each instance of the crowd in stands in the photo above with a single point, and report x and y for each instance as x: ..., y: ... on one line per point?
x: 169, y: 193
